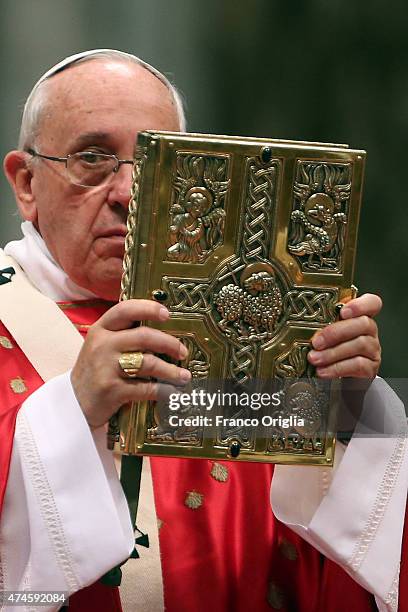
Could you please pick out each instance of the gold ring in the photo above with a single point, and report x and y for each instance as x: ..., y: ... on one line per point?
x: 131, y: 363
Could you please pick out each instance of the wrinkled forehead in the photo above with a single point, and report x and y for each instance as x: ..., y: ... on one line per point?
x: 101, y: 54
x: 98, y: 78
x: 86, y: 95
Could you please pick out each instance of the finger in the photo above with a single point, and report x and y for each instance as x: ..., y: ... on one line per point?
x: 139, y: 390
x: 124, y: 314
x: 357, y: 367
x: 367, y: 304
x: 154, y: 367
x: 149, y: 339
x: 366, y: 346
x: 342, y: 331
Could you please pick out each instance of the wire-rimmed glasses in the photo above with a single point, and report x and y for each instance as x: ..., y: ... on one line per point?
x: 87, y: 168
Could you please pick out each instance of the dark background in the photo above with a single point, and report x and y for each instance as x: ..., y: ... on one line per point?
x: 309, y: 69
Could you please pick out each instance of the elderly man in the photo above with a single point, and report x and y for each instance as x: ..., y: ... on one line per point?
x: 64, y: 521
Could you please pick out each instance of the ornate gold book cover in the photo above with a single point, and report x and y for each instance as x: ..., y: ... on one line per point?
x: 250, y: 243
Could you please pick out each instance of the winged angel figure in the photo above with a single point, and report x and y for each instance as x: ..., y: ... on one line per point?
x: 197, y: 216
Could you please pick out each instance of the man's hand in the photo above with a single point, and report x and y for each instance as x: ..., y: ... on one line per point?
x: 100, y: 385
x: 350, y: 347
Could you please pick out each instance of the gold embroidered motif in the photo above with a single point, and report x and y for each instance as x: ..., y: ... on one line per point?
x: 18, y: 385
x: 159, y: 523
x: 82, y: 326
x: 219, y: 472
x: 288, y: 550
x: 276, y: 597
x: 5, y: 342
x: 194, y: 500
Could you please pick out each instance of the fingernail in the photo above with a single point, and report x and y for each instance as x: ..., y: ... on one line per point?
x: 318, y: 342
x: 346, y: 313
x: 163, y: 314
x: 183, y: 352
x: 315, y: 357
x: 185, y: 375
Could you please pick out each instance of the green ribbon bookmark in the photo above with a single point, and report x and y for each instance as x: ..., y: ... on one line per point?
x: 130, y: 476
x: 6, y: 274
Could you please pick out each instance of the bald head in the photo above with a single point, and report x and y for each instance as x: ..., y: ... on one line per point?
x: 40, y: 100
x: 99, y: 88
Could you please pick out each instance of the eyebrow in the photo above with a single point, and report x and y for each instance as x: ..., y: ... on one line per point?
x: 92, y: 137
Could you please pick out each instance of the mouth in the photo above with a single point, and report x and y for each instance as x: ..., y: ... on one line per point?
x: 111, y: 242
x: 114, y: 232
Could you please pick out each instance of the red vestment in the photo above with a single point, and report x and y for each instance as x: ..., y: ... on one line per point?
x: 224, y: 552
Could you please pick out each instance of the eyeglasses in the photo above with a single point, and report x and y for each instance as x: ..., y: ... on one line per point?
x: 87, y: 168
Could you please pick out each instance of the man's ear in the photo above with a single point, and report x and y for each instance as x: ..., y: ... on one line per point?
x: 19, y: 175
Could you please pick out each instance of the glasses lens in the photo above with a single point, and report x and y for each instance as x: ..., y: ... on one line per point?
x: 90, y: 169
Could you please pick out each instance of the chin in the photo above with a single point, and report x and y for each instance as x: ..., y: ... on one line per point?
x: 106, y: 287
x: 103, y: 279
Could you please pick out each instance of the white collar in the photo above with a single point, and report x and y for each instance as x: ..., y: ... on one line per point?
x: 32, y: 254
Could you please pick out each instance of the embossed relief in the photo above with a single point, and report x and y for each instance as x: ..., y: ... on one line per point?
x: 259, y: 208
x: 294, y: 364
x: 248, y: 291
x: 159, y: 429
x: 244, y: 301
x: 242, y: 362
x: 308, y: 304
x: 252, y: 309
x: 305, y: 400
x: 228, y: 432
x: 250, y: 299
x: 318, y: 221
x: 198, y: 359
x: 197, y: 215
x: 187, y: 295
x: 248, y: 302
x: 311, y: 305
x: 137, y: 182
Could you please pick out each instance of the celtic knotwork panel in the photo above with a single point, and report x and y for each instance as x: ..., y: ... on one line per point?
x: 242, y: 362
x: 137, y: 180
x: 319, y: 217
x: 159, y: 428
x: 197, y: 213
x: 259, y: 208
x: 187, y: 296
x: 248, y: 308
x: 303, y: 305
x: 311, y: 305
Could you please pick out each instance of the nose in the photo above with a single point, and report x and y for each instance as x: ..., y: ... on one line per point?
x: 120, y: 186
